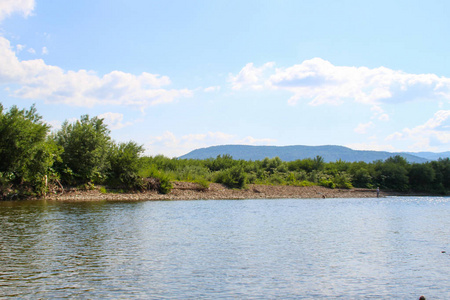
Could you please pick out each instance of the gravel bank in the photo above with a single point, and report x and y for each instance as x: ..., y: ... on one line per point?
x: 192, y: 191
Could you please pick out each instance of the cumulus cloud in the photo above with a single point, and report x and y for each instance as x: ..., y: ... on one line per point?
x: 37, y: 80
x: 250, y: 77
x: 44, y: 51
x: 378, y: 113
x: 114, y: 120
x: 171, y: 145
x: 8, y: 7
x: 20, y: 47
x: 320, y: 82
x: 212, y: 89
x: 431, y: 135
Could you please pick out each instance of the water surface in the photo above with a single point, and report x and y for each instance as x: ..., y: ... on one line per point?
x: 227, y: 249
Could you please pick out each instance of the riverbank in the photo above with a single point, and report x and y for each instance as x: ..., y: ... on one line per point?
x: 193, y: 191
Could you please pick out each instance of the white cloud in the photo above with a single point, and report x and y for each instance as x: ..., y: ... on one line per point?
x: 320, y: 82
x: 8, y: 7
x: 378, y: 113
x: 250, y: 77
x: 20, y: 47
x: 37, y: 80
x: 362, y: 128
x: 114, y: 120
x: 44, y: 51
x: 212, y: 89
x: 433, y: 135
x: 31, y: 50
x: 248, y: 140
x: 172, y: 146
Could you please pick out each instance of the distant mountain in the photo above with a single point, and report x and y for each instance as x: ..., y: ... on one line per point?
x: 290, y: 153
x: 431, y: 155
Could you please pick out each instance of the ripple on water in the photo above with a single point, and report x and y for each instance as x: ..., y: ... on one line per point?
x: 288, y: 248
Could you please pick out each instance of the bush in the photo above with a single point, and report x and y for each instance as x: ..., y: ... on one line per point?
x: 234, y: 177
x: 327, y: 183
x: 421, y: 177
x: 26, y: 154
x: 124, y: 165
x: 86, y: 144
x: 343, y: 180
x: 156, y: 180
x: 203, y: 183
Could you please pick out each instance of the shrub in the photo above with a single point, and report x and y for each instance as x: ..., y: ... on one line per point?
x: 86, y: 144
x: 203, y: 183
x: 156, y: 180
x: 234, y: 177
x: 327, y: 183
x: 124, y: 165
x: 342, y: 180
x: 26, y: 154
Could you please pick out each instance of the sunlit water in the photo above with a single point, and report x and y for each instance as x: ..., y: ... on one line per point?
x: 390, y: 248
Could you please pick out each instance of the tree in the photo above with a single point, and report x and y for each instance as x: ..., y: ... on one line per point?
x: 393, y: 173
x: 86, y: 143
x: 221, y: 162
x: 421, y: 177
x: 234, y: 177
x: 27, y: 155
x: 124, y: 164
x: 318, y: 163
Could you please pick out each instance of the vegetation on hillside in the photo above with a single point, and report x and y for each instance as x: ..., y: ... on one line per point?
x: 82, y: 154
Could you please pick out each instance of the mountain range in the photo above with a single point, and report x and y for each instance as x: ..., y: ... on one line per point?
x: 289, y: 153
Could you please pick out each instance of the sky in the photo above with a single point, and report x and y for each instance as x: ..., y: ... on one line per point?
x: 179, y: 75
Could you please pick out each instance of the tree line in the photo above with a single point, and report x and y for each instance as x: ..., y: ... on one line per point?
x: 82, y: 154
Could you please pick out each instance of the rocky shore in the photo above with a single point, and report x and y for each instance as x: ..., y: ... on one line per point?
x: 193, y: 191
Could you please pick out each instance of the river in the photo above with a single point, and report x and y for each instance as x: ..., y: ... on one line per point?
x: 386, y: 248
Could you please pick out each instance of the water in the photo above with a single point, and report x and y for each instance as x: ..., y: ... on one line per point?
x: 388, y: 248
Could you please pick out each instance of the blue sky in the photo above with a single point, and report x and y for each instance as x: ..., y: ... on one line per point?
x: 179, y: 75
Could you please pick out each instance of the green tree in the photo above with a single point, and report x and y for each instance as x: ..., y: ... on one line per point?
x: 393, y: 173
x: 123, y: 161
x: 318, y: 163
x: 442, y: 179
x: 86, y: 144
x: 421, y: 177
x: 234, y: 177
x: 27, y: 155
x: 221, y: 162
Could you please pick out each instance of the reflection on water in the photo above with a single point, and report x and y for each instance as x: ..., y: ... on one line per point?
x: 328, y: 248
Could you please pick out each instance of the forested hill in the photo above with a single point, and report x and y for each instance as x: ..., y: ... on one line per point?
x: 290, y: 153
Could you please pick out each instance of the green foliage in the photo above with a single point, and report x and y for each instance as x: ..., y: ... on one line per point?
x: 441, y: 183
x: 343, y: 180
x: 203, y: 183
x: 273, y: 165
x: 192, y: 173
x: 327, y: 183
x: 421, y: 176
x: 234, y: 177
x: 27, y: 155
x: 82, y: 153
x: 361, y: 177
x: 318, y: 162
x: 86, y: 144
x: 220, y: 163
x: 393, y: 174
x: 123, y: 159
x: 155, y: 179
